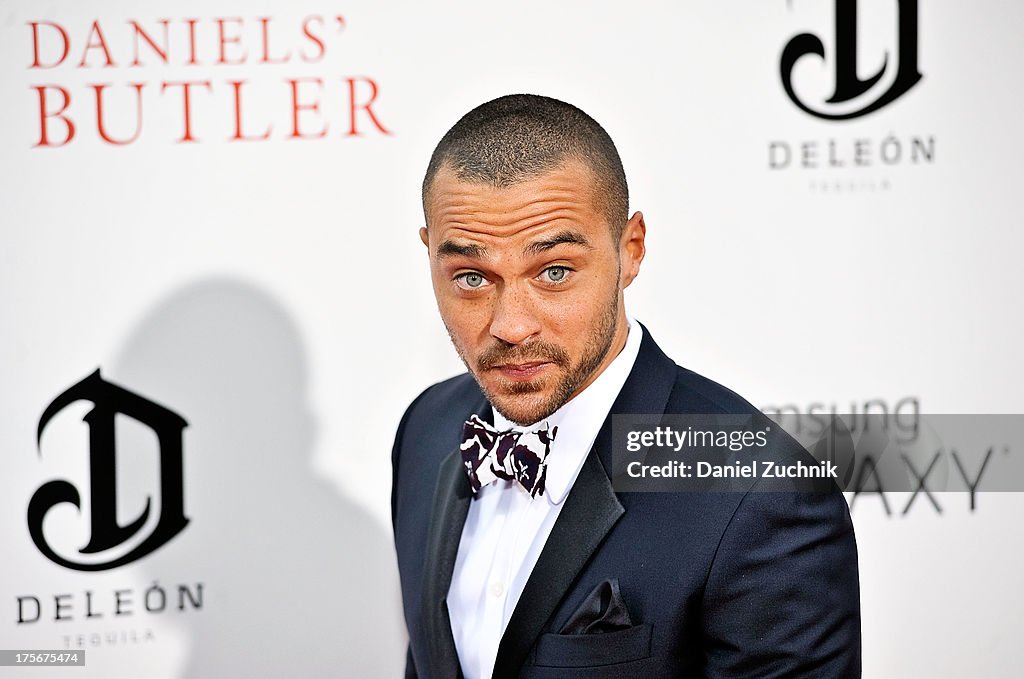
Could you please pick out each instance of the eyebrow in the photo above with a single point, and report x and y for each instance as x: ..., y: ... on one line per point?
x: 561, y: 238
x: 450, y: 248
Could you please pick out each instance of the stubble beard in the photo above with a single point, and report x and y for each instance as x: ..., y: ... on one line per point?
x: 523, y: 403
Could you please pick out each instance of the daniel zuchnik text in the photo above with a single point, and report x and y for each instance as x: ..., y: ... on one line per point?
x: 762, y: 469
x: 706, y: 440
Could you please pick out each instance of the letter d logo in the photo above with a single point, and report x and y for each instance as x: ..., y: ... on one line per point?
x: 848, y: 85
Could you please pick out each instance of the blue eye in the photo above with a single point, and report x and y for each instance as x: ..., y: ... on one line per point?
x: 470, y: 280
x: 556, y: 274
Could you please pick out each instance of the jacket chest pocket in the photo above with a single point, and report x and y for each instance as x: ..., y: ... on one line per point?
x: 593, y: 650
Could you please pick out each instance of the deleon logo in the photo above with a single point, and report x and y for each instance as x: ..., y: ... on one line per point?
x: 106, y: 533
x: 848, y: 84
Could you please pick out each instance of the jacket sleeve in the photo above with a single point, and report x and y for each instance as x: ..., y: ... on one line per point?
x: 783, y: 594
x: 396, y: 453
x: 410, y: 667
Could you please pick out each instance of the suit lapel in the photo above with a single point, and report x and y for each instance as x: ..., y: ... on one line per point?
x: 591, y: 510
x: 451, y: 504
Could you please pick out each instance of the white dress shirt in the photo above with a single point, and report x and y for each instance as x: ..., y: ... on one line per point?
x: 506, y: 529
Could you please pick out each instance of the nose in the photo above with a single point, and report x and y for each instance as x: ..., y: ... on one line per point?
x: 514, y: 319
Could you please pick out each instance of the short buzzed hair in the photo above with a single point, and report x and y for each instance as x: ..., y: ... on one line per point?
x: 519, y: 137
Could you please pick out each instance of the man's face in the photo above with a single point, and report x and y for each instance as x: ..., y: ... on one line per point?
x: 529, y: 282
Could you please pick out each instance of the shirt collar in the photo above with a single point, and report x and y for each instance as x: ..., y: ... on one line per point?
x: 580, y: 420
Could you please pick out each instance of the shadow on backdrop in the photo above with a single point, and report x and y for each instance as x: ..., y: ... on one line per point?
x: 297, y: 580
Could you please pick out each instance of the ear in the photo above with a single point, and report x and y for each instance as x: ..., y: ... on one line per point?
x: 425, y: 237
x: 631, y: 248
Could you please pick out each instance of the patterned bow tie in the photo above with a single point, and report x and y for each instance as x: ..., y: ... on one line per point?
x: 489, y: 454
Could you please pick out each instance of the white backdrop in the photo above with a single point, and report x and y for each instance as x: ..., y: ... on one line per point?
x: 274, y: 293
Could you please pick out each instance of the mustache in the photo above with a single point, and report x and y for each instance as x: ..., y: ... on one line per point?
x: 539, y: 351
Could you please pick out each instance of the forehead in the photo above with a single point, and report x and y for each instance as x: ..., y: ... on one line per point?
x: 564, y: 196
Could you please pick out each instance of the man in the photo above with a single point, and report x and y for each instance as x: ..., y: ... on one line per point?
x: 516, y: 556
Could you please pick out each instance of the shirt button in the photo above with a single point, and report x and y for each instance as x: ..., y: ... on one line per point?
x: 497, y: 588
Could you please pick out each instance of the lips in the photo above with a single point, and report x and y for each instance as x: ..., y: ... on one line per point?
x: 522, y: 371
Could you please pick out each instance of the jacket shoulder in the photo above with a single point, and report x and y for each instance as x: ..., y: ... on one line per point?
x: 430, y: 429
x: 448, y: 397
x: 694, y: 393
x: 435, y: 418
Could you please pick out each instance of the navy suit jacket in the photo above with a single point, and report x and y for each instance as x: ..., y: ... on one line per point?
x: 716, y: 584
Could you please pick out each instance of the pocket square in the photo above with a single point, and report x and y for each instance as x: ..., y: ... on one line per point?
x: 602, y: 611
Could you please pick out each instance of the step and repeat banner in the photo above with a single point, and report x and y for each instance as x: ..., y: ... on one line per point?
x: 215, y: 305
